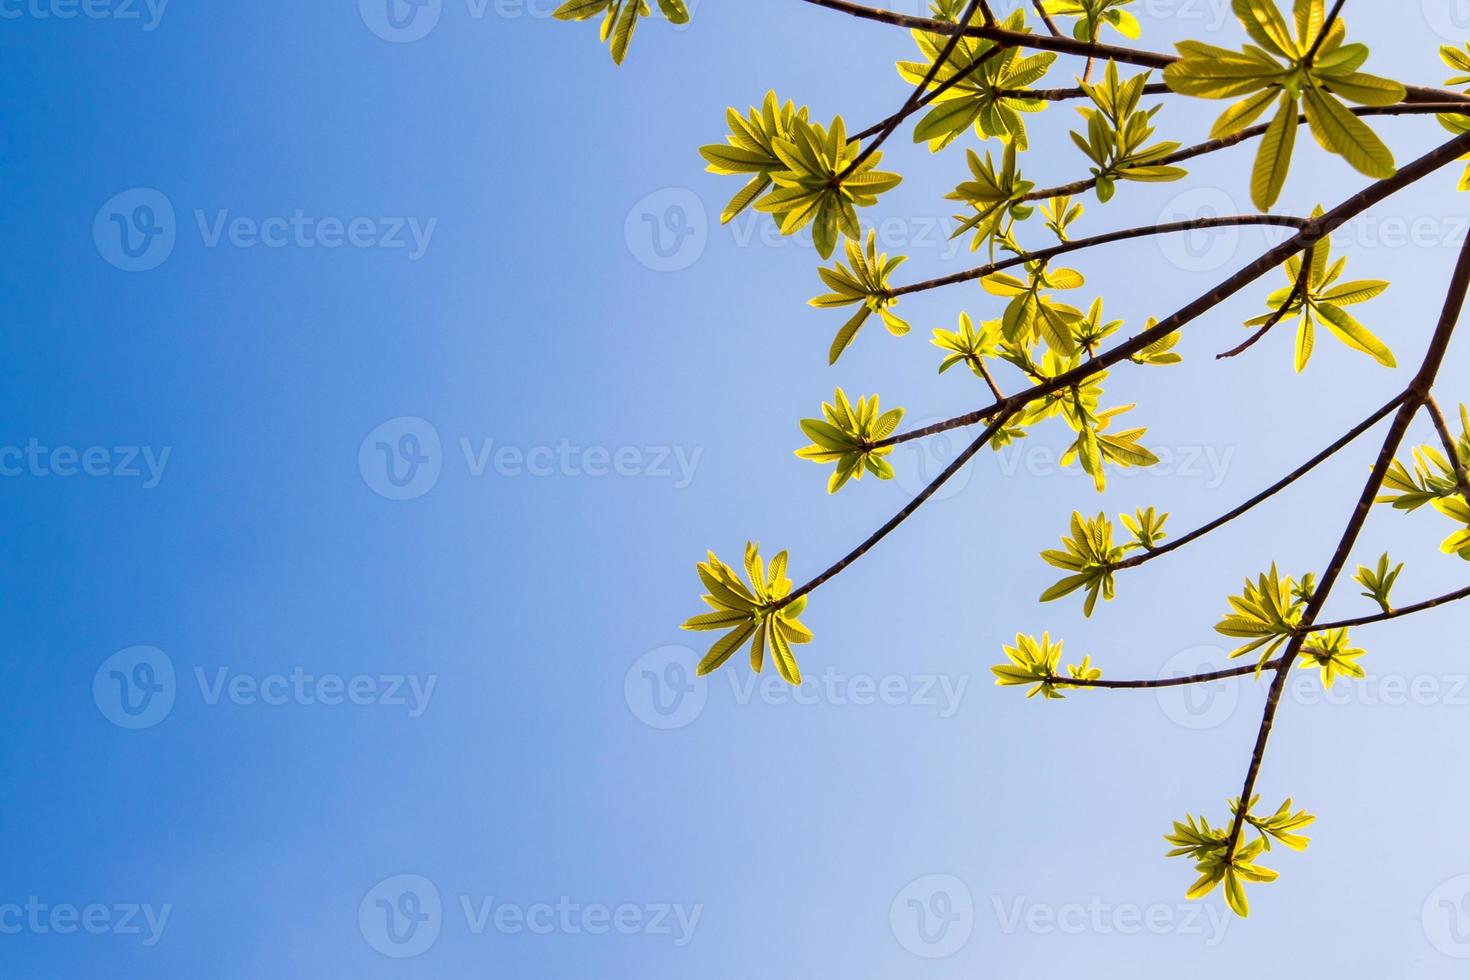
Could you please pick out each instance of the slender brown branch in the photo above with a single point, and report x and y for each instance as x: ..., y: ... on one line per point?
x: 1251, y: 132
x: 1322, y: 34
x: 1051, y: 25
x: 1415, y: 395
x: 1314, y: 231
x: 912, y: 102
x: 930, y: 96
x: 1062, y: 44
x: 1417, y: 607
x: 1298, y: 290
x: 1270, y: 491
x: 1214, y: 675
x: 1077, y: 244
x: 1452, y: 450
x: 904, y: 514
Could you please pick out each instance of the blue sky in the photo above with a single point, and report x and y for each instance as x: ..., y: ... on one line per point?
x: 266, y: 690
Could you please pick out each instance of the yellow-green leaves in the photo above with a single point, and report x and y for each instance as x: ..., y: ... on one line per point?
x: 1060, y: 212
x: 990, y: 94
x: 753, y: 613
x: 1210, y: 849
x: 1095, y: 445
x: 751, y: 148
x: 1093, y: 14
x: 846, y: 436
x: 1379, y: 581
x: 1459, y: 60
x: 864, y: 280
x: 1160, y: 352
x: 1031, y: 312
x: 1329, y: 650
x: 1117, y: 131
x: 808, y: 164
x: 1090, y: 556
x: 1289, y: 70
x: 1435, y: 476
x: 1036, y: 662
x: 969, y: 344
x: 1266, y: 613
x: 1321, y: 301
x: 998, y: 197
x: 620, y: 18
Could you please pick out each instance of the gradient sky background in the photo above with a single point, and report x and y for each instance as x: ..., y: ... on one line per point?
x: 542, y: 607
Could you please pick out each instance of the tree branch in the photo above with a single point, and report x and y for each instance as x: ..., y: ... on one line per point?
x: 1214, y: 675
x: 1298, y: 290
x: 1452, y: 450
x: 1414, y: 397
x: 1063, y: 44
x: 1395, y: 614
x: 1270, y: 491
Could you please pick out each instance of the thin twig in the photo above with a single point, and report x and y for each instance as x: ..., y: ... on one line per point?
x: 1051, y: 25
x: 1322, y: 34
x: 1270, y: 491
x: 1451, y: 448
x: 1214, y: 675
x: 911, y: 103
x: 1298, y: 291
x: 1063, y: 44
x: 1415, y: 395
x: 1417, y: 607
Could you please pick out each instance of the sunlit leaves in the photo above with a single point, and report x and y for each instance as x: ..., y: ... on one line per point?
x: 1283, y: 69
x: 754, y: 612
x: 1160, y: 352
x: 1089, y: 555
x: 1060, y: 212
x: 751, y: 148
x: 1147, y: 528
x: 990, y: 93
x: 968, y: 345
x: 1266, y: 613
x: 863, y: 282
x: 1118, y: 132
x: 802, y: 168
x: 1435, y: 479
x: 1330, y: 651
x: 1093, y: 14
x: 1036, y: 663
x: 1209, y: 847
x: 1031, y: 312
x: 1379, y: 581
x: 1095, y: 445
x: 620, y: 18
x: 1321, y: 301
x: 846, y: 434
x: 998, y: 197
x: 1459, y: 60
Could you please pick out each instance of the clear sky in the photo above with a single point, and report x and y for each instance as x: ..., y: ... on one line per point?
x: 256, y: 676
